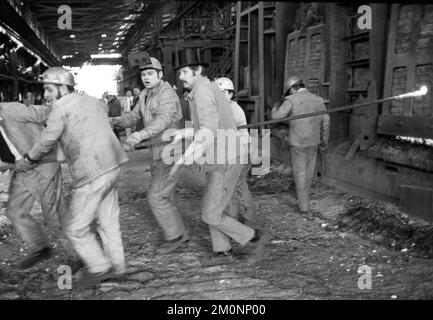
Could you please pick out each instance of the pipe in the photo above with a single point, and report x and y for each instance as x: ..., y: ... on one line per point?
x: 422, y: 91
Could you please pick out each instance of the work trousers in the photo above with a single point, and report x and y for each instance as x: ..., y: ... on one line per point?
x: 303, y: 164
x: 160, y: 197
x: 27, y: 187
x: 241, y: 206
x: 97, y: 201
x: 220, y: 185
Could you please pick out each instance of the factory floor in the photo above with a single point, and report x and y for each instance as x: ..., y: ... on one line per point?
x: 327, y: 254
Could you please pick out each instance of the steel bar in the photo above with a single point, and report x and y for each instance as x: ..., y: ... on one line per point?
x: 420, y: 92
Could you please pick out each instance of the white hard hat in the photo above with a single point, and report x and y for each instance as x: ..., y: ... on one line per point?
x: 57, y: 75
x: 154, y: 64
x: 292, y: 81
x: 225, y: 84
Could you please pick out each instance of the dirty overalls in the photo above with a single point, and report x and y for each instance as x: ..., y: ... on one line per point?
x: 304, y: 137
x: 159, y: 109
x: 93, y: 153
x: 210, y: 108
x: 23, y: 126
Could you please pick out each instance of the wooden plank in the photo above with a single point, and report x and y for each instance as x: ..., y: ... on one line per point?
x: 406, y: 126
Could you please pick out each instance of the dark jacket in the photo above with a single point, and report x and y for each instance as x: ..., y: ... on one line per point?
x: 114, y: 108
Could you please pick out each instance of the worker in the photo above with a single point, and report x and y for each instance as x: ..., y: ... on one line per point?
x: 305, y: 135
x: 78, y: 123
x: 210, y: 112
x: 242, y: 198
x: 114, y: 110
x: 21, y: 127
x: 159, y: 110
x: 29, y: 99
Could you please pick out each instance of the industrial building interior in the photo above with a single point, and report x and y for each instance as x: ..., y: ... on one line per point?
x: 372, y: 203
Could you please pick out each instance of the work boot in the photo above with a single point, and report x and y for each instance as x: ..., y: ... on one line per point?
x: 89, y: 279
x: 260, y: 239
x: 171, y: 245
x: 218, y: 258
x: 35, y: 258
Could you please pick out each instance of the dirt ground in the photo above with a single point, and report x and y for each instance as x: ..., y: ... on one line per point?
x: 309, y: 257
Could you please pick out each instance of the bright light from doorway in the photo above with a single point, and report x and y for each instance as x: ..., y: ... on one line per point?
x: 96, y: 79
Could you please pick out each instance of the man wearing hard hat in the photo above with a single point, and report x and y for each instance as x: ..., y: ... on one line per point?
x: 305, y: 135
x: 80, y: 125
x: 243, y: 203
x: 21, y: 127
x: 159, y: 109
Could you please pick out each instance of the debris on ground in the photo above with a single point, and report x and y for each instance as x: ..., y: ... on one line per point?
x: 388, y: 226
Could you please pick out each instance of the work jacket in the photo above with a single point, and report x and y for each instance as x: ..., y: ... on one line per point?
x: 22, y: 126
x: 79, y: 123
x: 305, y: 132
x: 211, y: 109
x: 159, y: 109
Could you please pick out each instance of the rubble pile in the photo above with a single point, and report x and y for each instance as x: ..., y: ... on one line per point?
x: 388, y: 227
x: 278, y: 180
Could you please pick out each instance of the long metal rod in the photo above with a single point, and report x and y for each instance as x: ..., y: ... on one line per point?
x: 420, y: 92
x: 312, y: 114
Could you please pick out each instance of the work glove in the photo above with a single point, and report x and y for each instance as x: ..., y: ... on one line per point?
x: 276, y: 105
x: 22, y: 165
x: 133, y: 139
x: 127, y: 147
x: 115, y: 122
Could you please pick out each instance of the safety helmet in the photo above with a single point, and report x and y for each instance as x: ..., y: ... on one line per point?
x: 225, y: 84
x: 154, y: 64
x: 292, y: 81
x: 58, y: 75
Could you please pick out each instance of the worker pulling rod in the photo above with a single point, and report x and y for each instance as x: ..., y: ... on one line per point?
x: 418, y: 93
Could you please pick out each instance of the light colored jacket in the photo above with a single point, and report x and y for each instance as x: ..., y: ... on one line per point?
x: 240, y: 120
x: 305, y: 132
x: 126, y: 103
x: 211, y: 109
x: 159, y: 109
x: 79, y: 123
x: 23, y: 126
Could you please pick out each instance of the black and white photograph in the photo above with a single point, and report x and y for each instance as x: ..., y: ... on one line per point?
x: 216, y: 155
